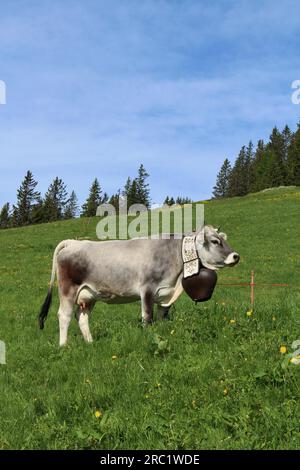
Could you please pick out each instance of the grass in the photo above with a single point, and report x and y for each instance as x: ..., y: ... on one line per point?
x: 211, y: 377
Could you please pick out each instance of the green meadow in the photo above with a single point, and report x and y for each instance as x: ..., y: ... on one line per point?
x: 213, y: 376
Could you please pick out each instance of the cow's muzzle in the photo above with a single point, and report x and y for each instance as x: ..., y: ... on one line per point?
x: 232, y: 259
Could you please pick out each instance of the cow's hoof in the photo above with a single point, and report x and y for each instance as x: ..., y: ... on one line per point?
x: 147, y: 323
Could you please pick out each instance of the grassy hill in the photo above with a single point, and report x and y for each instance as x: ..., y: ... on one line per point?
x: 212, y: 377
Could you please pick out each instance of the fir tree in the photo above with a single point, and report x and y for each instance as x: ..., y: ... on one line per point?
x: 237, y: 184
x: 37, y: 213
x: 71, y: 208
x: 221, y: 188
x: 277, y: 158
x: 142, y: 187
x: 248, y: 168
x: 26, y: 197
x: 287, y: 135
x: 137, y: 190
x: 259, y: 168
x: 114, y: 200
x: 94, y: 200
x: 133, y: 196
x: 293, y: 161
x: 127, y: 187
x: 105, y: 198
x: 5, y: 216
x: 55, y: 201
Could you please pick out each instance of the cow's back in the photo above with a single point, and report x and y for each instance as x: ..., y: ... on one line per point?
x: 121, y: 265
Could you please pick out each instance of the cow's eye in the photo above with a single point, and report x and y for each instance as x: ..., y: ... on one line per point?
x: 215, y: 242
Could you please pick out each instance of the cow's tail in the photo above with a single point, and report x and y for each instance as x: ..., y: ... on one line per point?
x: 48, y: 300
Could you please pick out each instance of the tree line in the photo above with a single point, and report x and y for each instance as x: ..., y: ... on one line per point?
x: 57, y: 204
x: 179, y: 200
x: 271, y: 164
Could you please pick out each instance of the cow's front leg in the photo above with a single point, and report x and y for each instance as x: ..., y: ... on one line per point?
x: 162, y: 312
x: 147, y: 307
x: 82, y: 316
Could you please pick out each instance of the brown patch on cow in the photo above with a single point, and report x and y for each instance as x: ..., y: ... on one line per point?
x: 70, y: 275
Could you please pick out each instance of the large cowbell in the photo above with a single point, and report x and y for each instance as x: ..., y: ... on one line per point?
x: 200, y: 287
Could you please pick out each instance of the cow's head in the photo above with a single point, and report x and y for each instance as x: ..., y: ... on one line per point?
x: 213, y: 249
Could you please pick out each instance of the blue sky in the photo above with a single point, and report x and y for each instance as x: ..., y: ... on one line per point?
x: 95, y: 87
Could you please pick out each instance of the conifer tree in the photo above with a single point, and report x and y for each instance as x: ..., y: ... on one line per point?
x: 5, y: 216
x: 127, y: 187
x: 55, y: 201
x: 277, y: 158
x: 248, y: 169
x: 105, y: 198
x: 133, y: 196
x: 221, y: 188
x: 37, y: 213
x: 142, y: 187
x: 137, y: 190
x: 26, y: 197
x: 293, y: 161
x: 114, y: 200
x: 94, y: 200
x: 71, y: 208
x: 287, y: 135
x: 237, y: 184
x: 259, y: 168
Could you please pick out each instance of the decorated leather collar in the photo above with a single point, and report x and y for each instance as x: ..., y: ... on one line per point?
x: 190, y: 257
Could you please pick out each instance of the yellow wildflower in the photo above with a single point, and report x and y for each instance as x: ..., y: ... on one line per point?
x: 232, y: 322
x: 249, y: 313
x: 98, y: 414
x: 114, y: 357
x: 282, y: 349
x: 225, y: 391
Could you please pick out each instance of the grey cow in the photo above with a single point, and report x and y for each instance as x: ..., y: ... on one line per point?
x: 123, y: 271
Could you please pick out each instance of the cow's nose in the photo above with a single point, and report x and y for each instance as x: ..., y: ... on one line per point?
x: 236, y: 257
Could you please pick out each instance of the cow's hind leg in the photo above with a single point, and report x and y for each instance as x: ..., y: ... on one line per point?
x: 162, y: 312
x: 64, y: 315
x: 147, y: 307
x: 82, y: 315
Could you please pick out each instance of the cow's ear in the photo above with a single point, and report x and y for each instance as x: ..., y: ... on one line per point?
x: 223, y: 235
x: 206, y: 233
